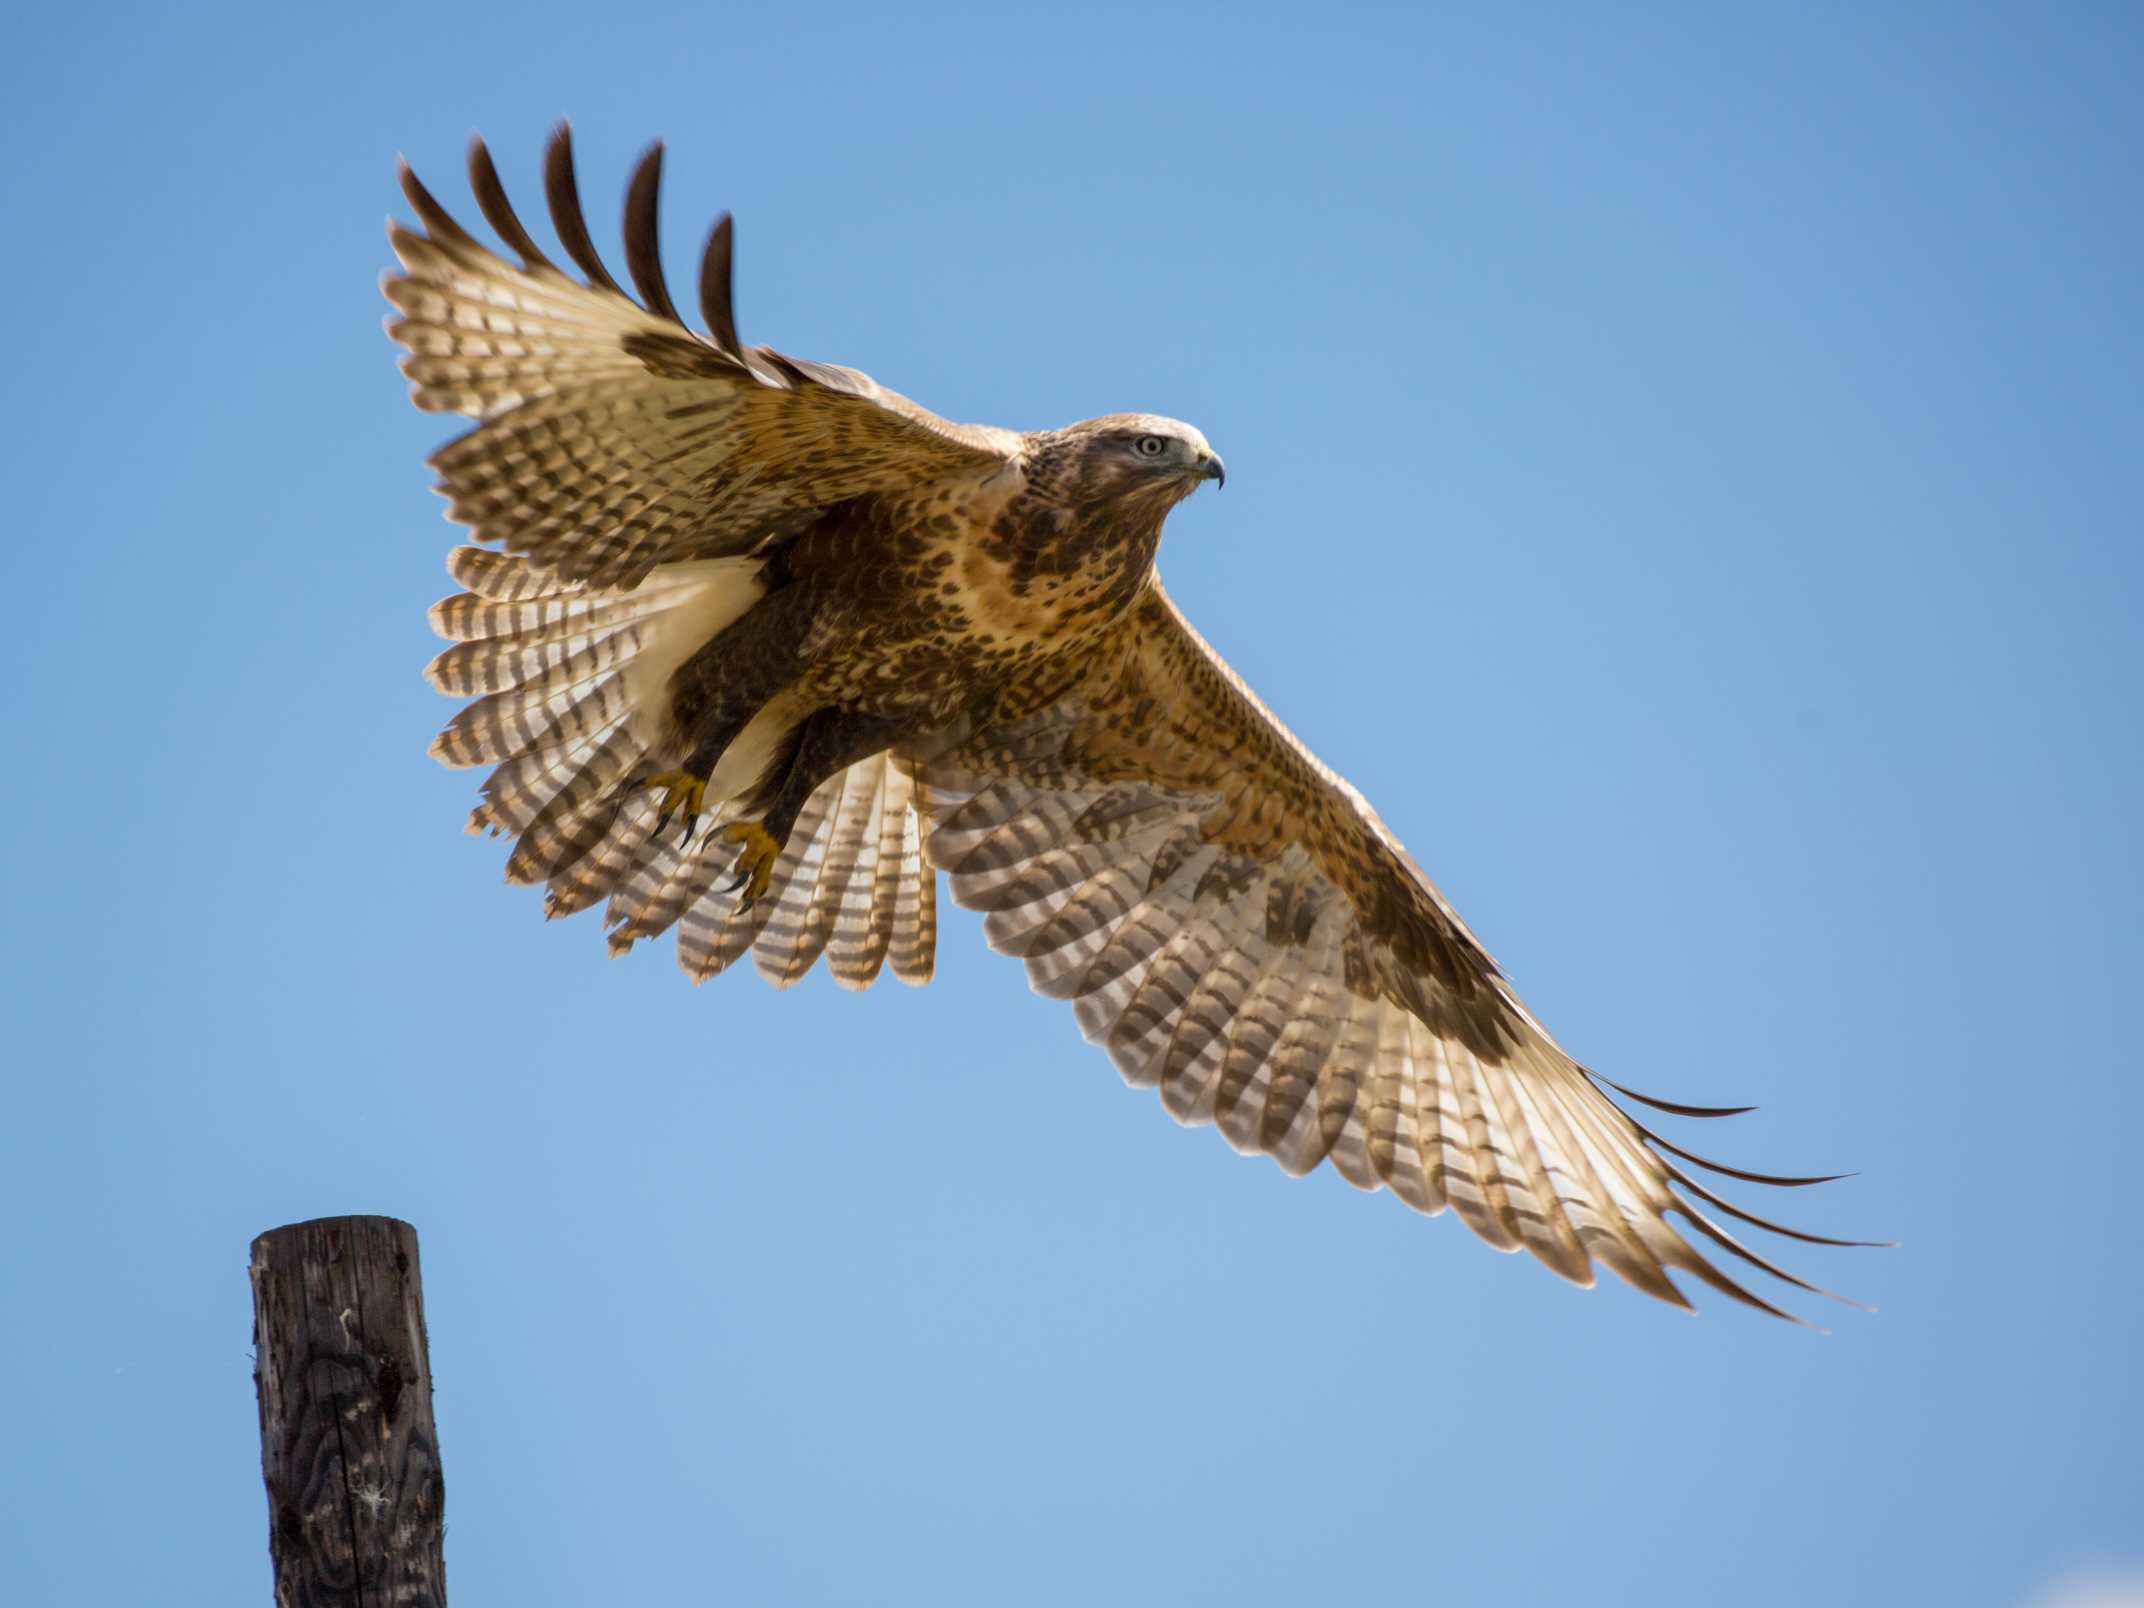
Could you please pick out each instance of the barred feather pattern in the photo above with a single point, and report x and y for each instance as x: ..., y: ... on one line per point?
x: 612, y: 437
x: 1228, y: 918
x: 564, y: 677
x: 1244, y: 983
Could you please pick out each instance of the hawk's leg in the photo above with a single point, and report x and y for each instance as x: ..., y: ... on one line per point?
x: 731, y: 676
x: 824, y: 744
x: 716, y: 693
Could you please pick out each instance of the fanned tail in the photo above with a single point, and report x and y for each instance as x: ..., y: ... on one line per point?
x: 570, y: 686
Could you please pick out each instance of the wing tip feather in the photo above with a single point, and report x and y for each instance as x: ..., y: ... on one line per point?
x: 718, y: 303
x: 1673, y: 1107
x: 562, y: 192
x: 643, y: 241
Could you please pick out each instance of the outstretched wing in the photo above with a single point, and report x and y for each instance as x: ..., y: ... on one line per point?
x: 631, y: 467
x: 614, y: 438
x: 1236, y: 926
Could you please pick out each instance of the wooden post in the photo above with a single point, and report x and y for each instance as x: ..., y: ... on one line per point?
x: 347, y: 1444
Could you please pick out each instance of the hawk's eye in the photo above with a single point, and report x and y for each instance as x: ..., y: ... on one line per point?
x: 1150, y: 446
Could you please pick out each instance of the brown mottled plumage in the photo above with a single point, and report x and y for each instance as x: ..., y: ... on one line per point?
x: 863, y: 643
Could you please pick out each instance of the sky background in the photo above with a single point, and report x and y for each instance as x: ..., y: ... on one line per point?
x: 1684, y: 466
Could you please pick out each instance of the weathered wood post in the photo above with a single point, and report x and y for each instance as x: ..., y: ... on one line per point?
x: 347, y: 1444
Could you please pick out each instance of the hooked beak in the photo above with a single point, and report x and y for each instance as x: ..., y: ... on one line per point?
x: 1212, y: 468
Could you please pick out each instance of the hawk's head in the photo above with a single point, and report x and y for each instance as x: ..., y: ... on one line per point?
x: 1134, y: 460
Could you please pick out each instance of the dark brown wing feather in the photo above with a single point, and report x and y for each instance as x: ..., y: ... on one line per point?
x: 1237, y: 927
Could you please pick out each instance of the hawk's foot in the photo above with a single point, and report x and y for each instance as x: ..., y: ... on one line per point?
x: 683, y: 794
x: 755, y: 862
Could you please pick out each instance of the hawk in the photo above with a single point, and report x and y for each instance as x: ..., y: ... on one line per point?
x: 757, y: 647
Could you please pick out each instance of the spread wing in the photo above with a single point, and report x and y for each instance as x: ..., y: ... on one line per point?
x: 614, y: 438
x: 1236, y: 926
x: 629, y: 466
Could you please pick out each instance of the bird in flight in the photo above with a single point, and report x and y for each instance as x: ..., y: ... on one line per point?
x: 757, y: 647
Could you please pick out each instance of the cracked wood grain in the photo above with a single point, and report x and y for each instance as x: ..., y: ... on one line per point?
x: 348, y: 1448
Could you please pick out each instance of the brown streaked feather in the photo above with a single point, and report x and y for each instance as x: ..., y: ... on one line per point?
x: 1538, y: 1195
x: 1139, y: 1039
x: 466, y: 617
x: 1181, y: 863
x: 506, y: 725
x: 868, y: 942
x: 515, y: 793
x: 508, y: 580
x: 1242, y: 932
x: 1406, y: 1147
x: 650, y: 899
x: 1240, y: 1097
x: 470, y: 669
x: 1059, y: 955
x: 549, y: 662
x: 849, y: 848
x: 1310, y: 1028
x: 713, y: 935
x: 612, y: 439
x: 789, y: 940
x: 1596, y: 1200
x: 578, y: 814
x: 1289, y: 1126
x: 626, y: 843
x: 912, y: 948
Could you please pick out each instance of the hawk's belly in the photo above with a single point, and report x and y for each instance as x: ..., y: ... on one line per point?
x: 922, y: 667
x: 922, y: 619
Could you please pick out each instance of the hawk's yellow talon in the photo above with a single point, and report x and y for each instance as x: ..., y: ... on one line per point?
x: 755, y: 861
x: 683, y: 793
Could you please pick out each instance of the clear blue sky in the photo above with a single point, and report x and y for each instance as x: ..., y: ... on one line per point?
x: 1684, y: 466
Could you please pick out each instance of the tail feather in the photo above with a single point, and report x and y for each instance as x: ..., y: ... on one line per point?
x: 712, y: 935
x: 665, y: 883
x: 853, y: 827
x: 527, y: 720
x: 787, y: 942
x: 502, y: 577
x: 914, y: 947
x: 623, y: 846
x: 466, y: 617
x: 863, y: 921
x: 579, y: 814
x: 473, y: 669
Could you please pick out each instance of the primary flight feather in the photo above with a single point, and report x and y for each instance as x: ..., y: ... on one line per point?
x: 757, y: 647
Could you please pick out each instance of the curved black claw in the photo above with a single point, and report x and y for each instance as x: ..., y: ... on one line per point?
x: 755, y: 860
x: 683, y: 793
